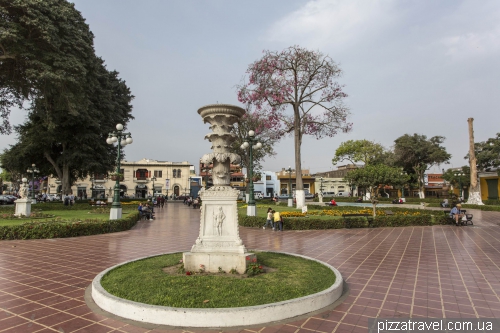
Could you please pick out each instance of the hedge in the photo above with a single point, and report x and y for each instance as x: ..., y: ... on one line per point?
x: 478, y: 207
x: 482, y: 207
x: 59, y: 229
x: 308, y: 223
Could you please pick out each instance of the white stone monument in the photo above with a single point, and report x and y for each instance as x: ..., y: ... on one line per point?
x: 219, y: 246
x: 23, y: 205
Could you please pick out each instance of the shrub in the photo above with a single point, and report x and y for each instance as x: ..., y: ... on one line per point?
x: 62, y: 229
x: 251, y: 221
x: 312, y: 224
x: 404, y: 218
x: 481, y: 207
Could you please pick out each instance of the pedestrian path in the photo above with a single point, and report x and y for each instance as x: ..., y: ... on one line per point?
x: 419, y: 272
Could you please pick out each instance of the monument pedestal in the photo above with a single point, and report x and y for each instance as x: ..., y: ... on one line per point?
x: 251, y: 210
x: 115, y: 213
x: 219, y: 243
x: 23, y: 207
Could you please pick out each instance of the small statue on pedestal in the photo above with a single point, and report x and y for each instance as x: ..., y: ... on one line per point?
x: 23, y: 190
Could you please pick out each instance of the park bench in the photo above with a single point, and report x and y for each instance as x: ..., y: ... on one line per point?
x: 468, y: 217
x: 347, y: 220
x: 388, y: 212
x: 94, y: 203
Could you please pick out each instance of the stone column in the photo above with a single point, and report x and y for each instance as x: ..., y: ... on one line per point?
x: 219, y: 244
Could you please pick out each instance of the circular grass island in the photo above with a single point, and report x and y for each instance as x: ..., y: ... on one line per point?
x: 158, y: 290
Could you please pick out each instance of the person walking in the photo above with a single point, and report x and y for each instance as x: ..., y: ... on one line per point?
x: 269, y: 219
x: 278, y: 220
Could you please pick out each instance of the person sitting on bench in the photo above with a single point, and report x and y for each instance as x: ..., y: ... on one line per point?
x: 445, y: 203
x: 456, y: 213
x: 146, y: 210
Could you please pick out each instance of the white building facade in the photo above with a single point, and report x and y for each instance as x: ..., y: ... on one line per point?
x: 268, y: 185
x: 140, y: 179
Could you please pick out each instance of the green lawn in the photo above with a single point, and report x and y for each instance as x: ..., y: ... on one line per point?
x: 50, y: 212
x: 145, y: 281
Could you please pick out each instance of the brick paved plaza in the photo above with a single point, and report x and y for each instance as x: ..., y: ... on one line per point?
x: 441, y: 271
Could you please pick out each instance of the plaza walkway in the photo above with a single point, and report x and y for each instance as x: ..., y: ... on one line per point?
x: 440, y: 271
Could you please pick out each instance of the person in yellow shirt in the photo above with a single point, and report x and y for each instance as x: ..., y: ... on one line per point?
x: 278, y: 221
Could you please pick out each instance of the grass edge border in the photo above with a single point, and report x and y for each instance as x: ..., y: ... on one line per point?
x: 227, y: 317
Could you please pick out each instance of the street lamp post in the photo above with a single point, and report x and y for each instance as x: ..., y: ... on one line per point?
x: 33, y: 170
x: 122, y: 139
x: 290, y: 199
x: 403, y: 187
x: 459, y: 174
x: 252, y: 143
x: 92, y: 187
x: 320, y: 189
x: 153, y: 180
x: 206, y: 168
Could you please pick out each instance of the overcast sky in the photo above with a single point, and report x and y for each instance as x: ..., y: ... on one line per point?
x: 409, y: 67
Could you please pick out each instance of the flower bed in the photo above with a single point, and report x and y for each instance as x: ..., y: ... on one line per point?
x: 339, y: 211
x: 61, y: 229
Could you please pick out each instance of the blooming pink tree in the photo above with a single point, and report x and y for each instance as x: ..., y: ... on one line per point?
x: 295, y: 89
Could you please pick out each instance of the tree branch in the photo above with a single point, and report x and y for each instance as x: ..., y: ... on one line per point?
x: 54, y: 164
x: 5, y: 55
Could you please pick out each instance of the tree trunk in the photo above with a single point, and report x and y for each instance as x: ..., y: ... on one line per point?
x: 56, y: 167
x: 65, y: 181
x: 474, y: 190
x: 300, y: 197
x: 374, y: 203
x: 421, y: 185
x: 374, y: 200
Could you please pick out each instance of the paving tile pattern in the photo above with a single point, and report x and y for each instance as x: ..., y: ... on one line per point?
x: 418, y: 272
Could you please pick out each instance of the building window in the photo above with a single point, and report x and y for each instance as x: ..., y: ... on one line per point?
x: 158, y: 173
x: 178, y: 173
x: 142, y: 174
x: 268, y: 177
x: 175, y: 173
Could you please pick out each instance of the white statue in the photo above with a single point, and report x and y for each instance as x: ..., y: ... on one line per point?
x: 23, y: 190
x: 218, y: 220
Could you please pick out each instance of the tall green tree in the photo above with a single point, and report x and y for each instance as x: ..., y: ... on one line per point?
x: 374, y: 177
x: 72, y: 146
x: 45, y: 49
x: 74, y: 100
x: 457, y: 180
x: 356, y: 151
x: 488, y: 154
x: 417, y: 153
